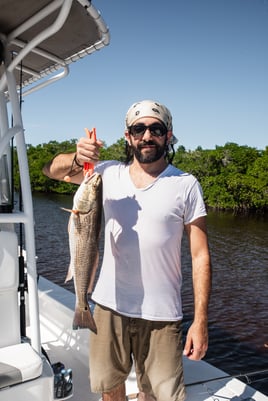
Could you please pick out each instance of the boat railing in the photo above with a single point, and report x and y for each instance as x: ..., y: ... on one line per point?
x: 29, y: 60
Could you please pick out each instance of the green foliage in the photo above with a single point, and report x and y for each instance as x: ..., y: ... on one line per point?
x: 38, y: 156
x: 114, y: 152
x: 232, y: 176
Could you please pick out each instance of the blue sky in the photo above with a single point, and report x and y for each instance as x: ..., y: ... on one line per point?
x: 206, y: 60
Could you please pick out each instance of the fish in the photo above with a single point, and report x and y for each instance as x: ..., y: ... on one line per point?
x: 84, y: 234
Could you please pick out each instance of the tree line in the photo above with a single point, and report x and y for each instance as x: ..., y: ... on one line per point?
x: 233, y: 177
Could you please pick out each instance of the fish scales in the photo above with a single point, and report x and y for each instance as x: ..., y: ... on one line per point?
x: 84, y: 234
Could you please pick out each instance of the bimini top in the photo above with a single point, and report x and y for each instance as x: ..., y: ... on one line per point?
x: 38, y: 38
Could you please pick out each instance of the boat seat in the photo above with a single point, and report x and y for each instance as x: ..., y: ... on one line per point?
x: 18, y: 361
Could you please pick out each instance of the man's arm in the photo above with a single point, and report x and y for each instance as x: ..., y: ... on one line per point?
x: 197, y: 337
x: 69, y: 166
x: 64, y: 165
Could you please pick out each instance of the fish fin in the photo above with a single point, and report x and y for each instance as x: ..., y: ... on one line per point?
x: 70, y: 210
x: 66, y: 210
x: 69, y: 275
x: 83, y: 319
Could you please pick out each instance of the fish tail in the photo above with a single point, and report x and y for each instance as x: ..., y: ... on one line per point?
x: 83, y: 319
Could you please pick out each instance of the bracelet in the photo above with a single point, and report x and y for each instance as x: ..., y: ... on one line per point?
x: 75, y: 161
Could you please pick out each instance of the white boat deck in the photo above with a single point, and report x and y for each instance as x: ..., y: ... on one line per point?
x: 71, y: 348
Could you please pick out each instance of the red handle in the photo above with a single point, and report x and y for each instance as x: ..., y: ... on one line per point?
x: 89, y: 167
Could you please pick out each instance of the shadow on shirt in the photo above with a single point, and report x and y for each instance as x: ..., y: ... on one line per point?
x: 121, y: 216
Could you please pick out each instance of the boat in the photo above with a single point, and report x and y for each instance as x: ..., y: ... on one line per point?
x: 41, y: 357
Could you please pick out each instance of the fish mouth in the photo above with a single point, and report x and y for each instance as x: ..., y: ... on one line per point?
x: 90, y: 177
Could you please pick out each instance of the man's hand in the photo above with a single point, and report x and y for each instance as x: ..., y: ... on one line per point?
x: 196, y: 344
x: 88, y: 150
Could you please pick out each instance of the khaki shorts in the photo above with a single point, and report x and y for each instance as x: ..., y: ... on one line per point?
x: 155, y: 347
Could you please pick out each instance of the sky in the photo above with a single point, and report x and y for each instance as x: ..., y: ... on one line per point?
x: 206, y: 60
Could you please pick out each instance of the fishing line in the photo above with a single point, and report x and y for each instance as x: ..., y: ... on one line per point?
x: 134, y: 396
x: 238, y: 376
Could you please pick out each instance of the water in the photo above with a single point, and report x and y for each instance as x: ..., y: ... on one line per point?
x: 238, y: 316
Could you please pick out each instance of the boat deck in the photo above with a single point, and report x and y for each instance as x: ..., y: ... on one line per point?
x: 204, y: 382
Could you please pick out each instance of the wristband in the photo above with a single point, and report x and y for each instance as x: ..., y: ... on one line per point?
x: 76, y: 162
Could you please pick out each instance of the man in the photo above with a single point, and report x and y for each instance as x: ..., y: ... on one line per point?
x: 147, y: 205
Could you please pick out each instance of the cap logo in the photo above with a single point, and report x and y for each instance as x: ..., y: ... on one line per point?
x: 155, y: 110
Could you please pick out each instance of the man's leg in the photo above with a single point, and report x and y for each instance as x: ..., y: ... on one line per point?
x: 110, y: 356
x: 117, y: 394
x: 157, y: 349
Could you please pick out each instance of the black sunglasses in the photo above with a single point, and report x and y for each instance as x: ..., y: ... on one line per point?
x: 156, y: 129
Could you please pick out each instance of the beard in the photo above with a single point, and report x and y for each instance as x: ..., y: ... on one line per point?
x: 149, y: 155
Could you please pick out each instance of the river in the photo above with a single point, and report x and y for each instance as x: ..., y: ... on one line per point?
x: 238, y: 317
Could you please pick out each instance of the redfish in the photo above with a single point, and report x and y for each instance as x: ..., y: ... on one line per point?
x: 84, y: 234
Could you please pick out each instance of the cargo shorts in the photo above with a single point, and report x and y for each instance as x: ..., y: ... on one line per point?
x: 154, y: 347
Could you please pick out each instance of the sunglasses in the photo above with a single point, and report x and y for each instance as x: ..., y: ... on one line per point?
x: 156, y: 129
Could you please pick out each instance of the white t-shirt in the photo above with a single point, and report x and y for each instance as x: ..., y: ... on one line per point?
x: 141, y: 269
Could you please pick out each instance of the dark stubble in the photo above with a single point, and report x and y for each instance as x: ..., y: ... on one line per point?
x: 151, y: 156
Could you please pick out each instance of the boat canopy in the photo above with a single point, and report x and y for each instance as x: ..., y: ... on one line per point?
x: 39, y: 39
